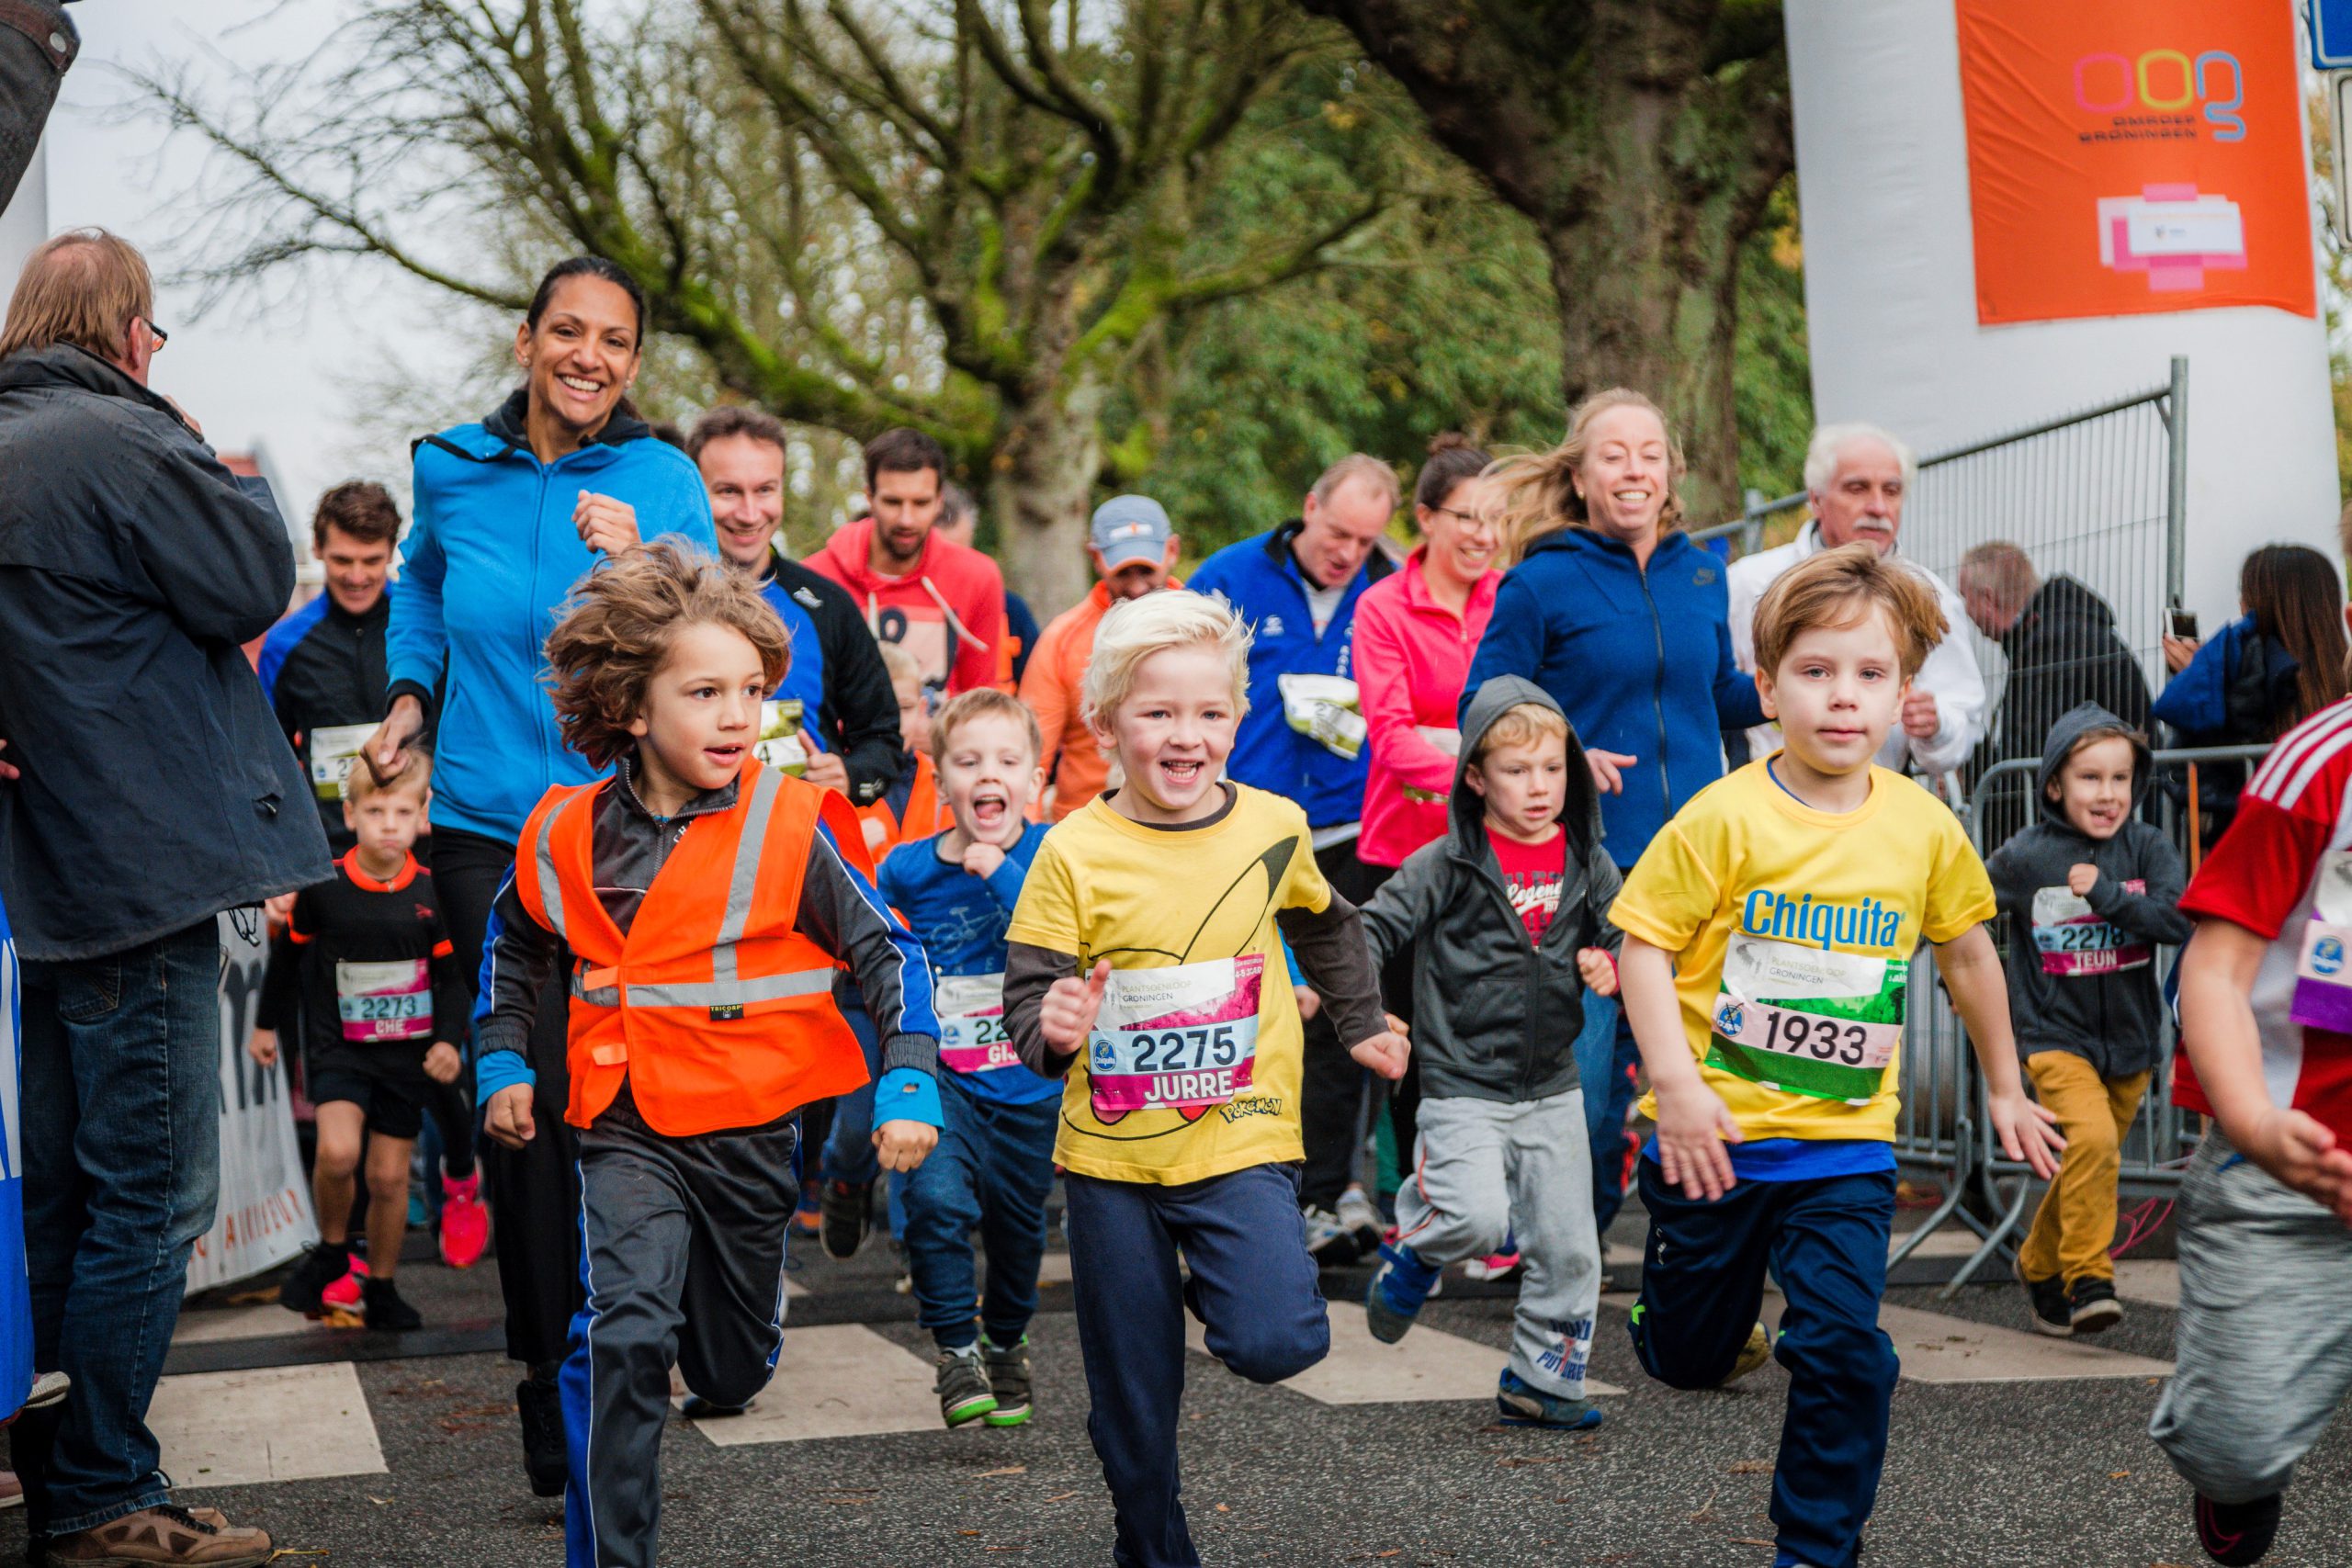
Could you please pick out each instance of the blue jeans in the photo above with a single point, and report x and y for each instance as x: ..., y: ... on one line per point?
x: 1702, y: 1283
x: 850, y: 1155
x: 1253, y: 1288
x: 992, y: 1169
x: 121, y: 1086
x: 1606, y: 1057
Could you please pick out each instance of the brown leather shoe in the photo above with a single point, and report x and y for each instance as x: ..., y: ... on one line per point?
x: 167, y: 1534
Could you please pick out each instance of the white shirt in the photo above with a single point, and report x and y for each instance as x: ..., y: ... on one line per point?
x: 1950, y: 674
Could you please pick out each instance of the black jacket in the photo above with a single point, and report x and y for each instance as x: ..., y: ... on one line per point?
x: 2063, y: 651
x: 859, y: 716
x: 2066, y: 992
x: 1495, y: 1017
x: 323, y: 668
x: 157, y: 788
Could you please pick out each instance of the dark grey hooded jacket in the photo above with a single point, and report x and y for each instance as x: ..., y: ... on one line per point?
x: 1495, y: 1017
x: 2063, y: 993
x: 157, y: 789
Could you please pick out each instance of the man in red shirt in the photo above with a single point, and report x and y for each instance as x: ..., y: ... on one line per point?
x: 940, y: 601
x: 2264, y: 1342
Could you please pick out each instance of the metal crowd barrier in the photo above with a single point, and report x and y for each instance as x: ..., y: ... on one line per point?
x: 1939, y: 1068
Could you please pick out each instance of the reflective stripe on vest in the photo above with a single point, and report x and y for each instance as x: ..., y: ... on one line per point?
x: 743, y: 882
x: 551, y: 886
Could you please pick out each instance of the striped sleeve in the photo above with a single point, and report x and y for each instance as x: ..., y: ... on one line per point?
x: 2257, y: 876
x: 841, y: 912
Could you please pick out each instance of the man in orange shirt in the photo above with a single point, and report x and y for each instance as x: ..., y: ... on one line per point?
x: 1133, y: 550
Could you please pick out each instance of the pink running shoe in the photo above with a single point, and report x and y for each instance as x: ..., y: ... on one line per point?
x: 465, y: 1223
x: 344, y: 1293
x: 1495, y: 1268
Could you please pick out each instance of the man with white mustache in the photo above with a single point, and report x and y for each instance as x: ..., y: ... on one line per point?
x: 1856, y: 478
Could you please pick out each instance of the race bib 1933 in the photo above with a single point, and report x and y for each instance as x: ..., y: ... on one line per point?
x: 1177, y: 1038
x: 1805, y: 1022
x: 384, y: 1001
x: 972, y: 1037
x: 2073, y: 940
x: 2324, y: 967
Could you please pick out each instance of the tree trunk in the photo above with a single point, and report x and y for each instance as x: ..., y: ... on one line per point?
x: 1042, y: 484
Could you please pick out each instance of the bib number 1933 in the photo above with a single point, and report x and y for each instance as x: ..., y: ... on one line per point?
x: 1805, y: 1022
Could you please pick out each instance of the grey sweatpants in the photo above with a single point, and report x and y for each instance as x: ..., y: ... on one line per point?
x: 683, y: 1255
x: 1486, y: 1170
x: 2264, y: 1342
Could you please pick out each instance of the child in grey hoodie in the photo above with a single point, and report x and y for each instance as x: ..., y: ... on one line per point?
x: 1510, y: 910
x: 2090, y: 893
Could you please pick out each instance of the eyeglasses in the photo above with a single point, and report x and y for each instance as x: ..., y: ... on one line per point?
x: 161, y: 337
x: 1475, y: 519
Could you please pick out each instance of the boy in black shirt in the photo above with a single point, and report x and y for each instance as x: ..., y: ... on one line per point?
x: 381, y: 1002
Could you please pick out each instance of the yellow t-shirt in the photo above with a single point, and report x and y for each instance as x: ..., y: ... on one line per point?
x: 1793, y: 930
x: 1192, y: 1071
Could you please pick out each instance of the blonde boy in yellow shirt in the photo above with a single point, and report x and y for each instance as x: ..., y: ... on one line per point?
x: 1768, y: 934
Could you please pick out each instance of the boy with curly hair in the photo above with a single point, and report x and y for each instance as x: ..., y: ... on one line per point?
x: 705, y: 900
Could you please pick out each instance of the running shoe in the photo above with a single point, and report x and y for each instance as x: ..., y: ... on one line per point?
x: 2091, y: 1306
x: 694, y: 1408
x: 1498, y: 1267
x: 1361, y: 1220
x: 1007, y: 1380
x: 48, y: 1389
x: 1752, y: 1355
x: 1522, y: 1404
x: 841, y: 1228
x: 345, y: 1294
x: 465, y: 1223
x: 1331, y: 1244
x: 2236, y: 1533
x: 387, y: 1312
x: 963, y: 1386
x: 2047, y: 1304
x: 416, y: 1214
x: 1399, y: 1288
x: 165, y: 1534
x: 322, y: 1268
x: 810, y: 1216
x: 546, y: 1461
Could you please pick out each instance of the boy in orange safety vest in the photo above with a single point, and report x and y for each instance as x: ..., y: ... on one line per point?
x: 706, y: 902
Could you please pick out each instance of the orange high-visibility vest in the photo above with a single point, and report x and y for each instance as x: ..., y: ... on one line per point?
x: 715, y: 1007
x: 886, y: 830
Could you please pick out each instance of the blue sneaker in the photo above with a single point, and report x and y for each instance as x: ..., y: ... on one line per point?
x: 1523, y: 1404
x: 1399, y: 1288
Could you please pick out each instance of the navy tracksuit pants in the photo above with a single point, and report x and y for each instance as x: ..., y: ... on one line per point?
x: 1702, y: 1285
x: 1252, y: 1287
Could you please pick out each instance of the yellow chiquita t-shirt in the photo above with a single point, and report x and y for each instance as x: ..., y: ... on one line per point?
x: 1193, y: 1070
x: 1794, y: 930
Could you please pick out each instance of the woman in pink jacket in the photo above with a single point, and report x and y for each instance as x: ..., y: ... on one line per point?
x: 1415, y: 631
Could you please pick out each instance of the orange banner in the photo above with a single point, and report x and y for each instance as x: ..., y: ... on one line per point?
x: 2127, y: 157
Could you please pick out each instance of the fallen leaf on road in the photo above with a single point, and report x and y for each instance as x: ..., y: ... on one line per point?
x: 1223, y: 1509
x: 1751, y: 1540
x: 1005, y: 1470
x: 1518, y: 1461
x: 2116, y: 1474
x: 1752, y: 1467
x: 1061, y: 1496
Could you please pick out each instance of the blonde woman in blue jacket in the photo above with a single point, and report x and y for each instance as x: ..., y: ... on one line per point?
x: 510, y: 513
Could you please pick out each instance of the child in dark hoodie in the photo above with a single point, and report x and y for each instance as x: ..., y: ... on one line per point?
x: 2090, y: 893
x: 1510, y: 910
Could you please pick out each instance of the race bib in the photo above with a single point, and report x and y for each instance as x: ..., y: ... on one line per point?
x: 1175, y: 1038
x: 1805, y: 1022
x: 1324, y: 708
x: 2323, y: 968
x: 333, y: 749
x: 972, y: 1036
x: 781, y: 743
x: 384, y: 1001
x: 2073, y: 941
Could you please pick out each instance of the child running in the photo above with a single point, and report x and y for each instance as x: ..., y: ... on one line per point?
x: 2264, y: 1342
x: 705, y: 900
x: 994, y: 1165
x: 1145, y: 963
x: 382, y: 1003
x: 1510, y: 910
x: 1767, y: 933
x: 2089, y: 893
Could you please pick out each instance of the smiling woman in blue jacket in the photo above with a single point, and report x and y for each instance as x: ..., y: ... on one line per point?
x: 510, y: 513
x: 1616, y: 615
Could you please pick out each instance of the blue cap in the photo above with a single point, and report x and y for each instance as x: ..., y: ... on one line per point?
x: 1130, y: 528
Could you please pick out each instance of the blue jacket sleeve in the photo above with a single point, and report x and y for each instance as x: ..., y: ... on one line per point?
x: 416, y: 641
x: 1513, y: 643
x: 2198, y: 699
x: 1737, y: 707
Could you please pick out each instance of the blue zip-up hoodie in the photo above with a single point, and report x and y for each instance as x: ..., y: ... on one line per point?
x: 1640, y: 661
x: 490, y: 560
x: 1259, y: 578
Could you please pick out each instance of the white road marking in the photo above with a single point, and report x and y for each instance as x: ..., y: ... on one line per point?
x: 275, y: 1424
x: 1425, y: 1364
x: 837, y: 1381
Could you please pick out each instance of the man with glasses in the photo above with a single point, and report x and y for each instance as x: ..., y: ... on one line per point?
x: 150, y: 789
